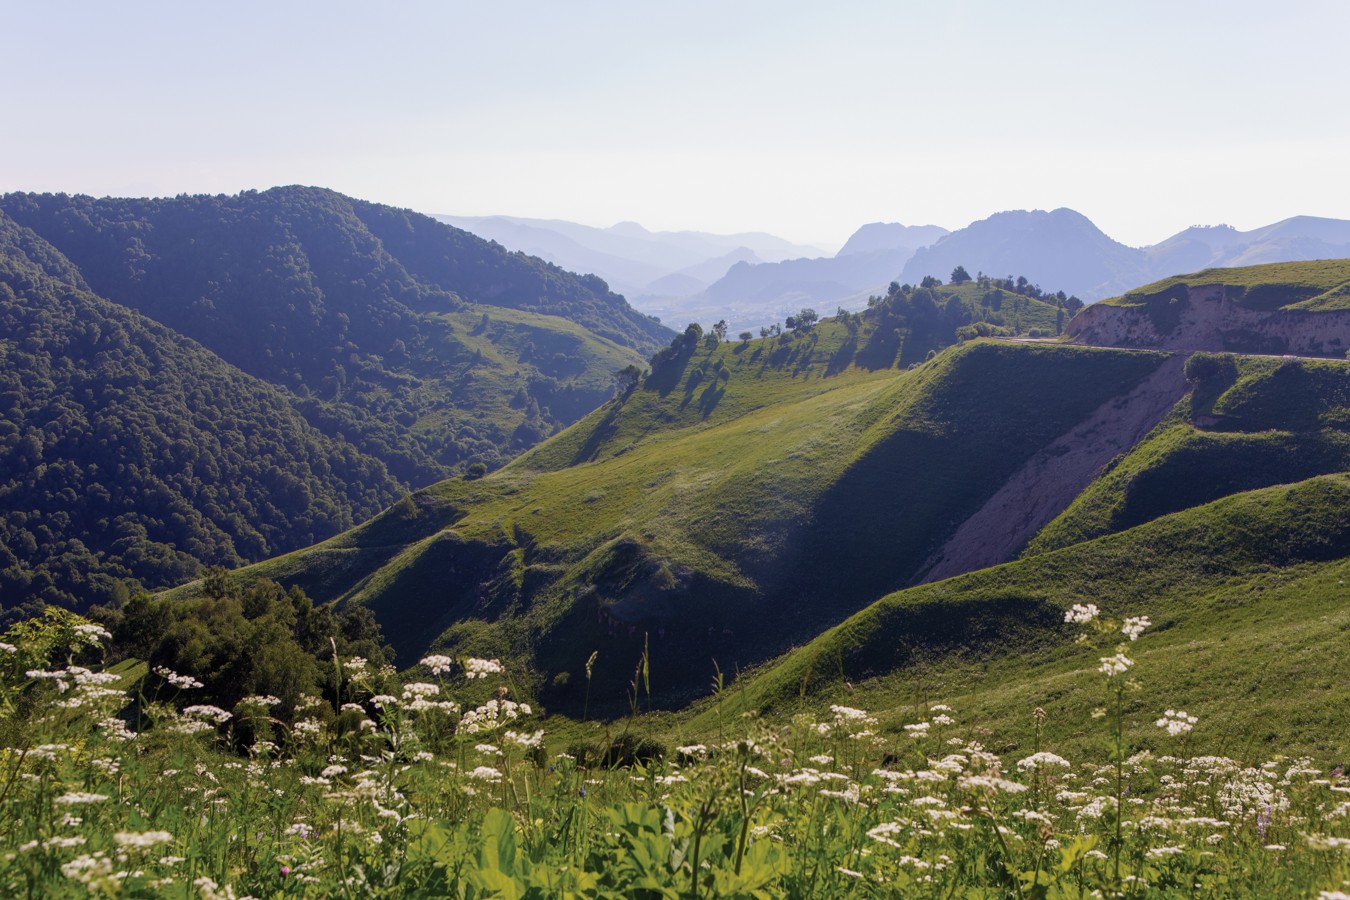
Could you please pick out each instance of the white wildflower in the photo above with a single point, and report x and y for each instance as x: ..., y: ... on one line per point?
x: 1081, y: 614
x: 139, y: 840
x: 437, y: 664
x: 1177, y: 722
x: 1134, y: 626
x: 88, y: 869
x: 524, y: 739
x: 1041, y: 761
x: 1115, y: 665
x: 420, y: 689
x: 208, y: 712
x: 482, y: 668
x: 93, y: 633
x: 175, y: 680
x: 842, y: 713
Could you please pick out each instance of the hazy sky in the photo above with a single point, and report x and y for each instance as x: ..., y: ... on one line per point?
x: 805, y: 119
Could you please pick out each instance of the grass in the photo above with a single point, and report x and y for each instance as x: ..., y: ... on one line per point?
x: 1315, y: 285
x: 796, y: 499
x: 414, y: 791
x: 1250, y: 424
x: 1248, y: 595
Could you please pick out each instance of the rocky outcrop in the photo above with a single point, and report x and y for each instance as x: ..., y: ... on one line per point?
x: 1205, y: 318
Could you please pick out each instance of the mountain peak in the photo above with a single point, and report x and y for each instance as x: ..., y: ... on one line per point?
x: 629, y: 229
x: 876, y: 236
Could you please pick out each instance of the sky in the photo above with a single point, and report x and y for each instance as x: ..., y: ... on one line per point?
x: 803, y: 119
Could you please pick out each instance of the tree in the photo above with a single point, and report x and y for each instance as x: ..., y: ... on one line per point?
x: 720, y: 329
x: 805, y: 318
x: 745, y: 336
x: 960, y: 275
x: 930, y: 282
x: 627, y: 378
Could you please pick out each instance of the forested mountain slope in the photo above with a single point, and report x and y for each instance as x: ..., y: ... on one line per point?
x: 421, y: 344
x: 129, y: 453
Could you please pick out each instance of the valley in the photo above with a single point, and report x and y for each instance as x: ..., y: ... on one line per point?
x: 862, y: 529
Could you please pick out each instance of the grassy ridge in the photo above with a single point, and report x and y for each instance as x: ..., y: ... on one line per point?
x: 795, y: 499
x: 1248, y: 423
x: 1320, y: 284
x: 1233, y: 587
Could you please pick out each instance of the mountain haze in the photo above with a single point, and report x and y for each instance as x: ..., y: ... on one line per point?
x: 890, y: 236
x: 632, y: 259
x: 1060, y: 249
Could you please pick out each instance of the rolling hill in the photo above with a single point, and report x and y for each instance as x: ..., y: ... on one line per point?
x: 748, y: 496
x: 213, y: 380
x: 1246, y: 594
x: 422, y: 345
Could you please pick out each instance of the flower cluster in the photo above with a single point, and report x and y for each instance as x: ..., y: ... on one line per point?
x: 1177, y: 722
x: 175, y: 680
x: 1082, y: 613
x: 1135, y: 626
x: 1115, y: 665
x: 482, y: 668
x: 438, y: 665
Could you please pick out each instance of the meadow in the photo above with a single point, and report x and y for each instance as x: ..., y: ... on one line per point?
x: 441, y: 782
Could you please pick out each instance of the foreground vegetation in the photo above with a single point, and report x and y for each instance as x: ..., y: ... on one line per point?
x: 115, y: 782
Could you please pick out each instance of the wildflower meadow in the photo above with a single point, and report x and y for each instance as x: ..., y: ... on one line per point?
x: 115, y: 781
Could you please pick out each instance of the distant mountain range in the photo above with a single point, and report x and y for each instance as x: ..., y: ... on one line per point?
x: 634, y: 261
x: 763, y: 280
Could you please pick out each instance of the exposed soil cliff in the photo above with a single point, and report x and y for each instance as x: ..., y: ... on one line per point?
x: 1204, y: 318
x: 1051, y: 479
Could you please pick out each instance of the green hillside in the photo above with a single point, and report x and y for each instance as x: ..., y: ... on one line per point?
x: 1247, y: 596
x: 1320, y: 284
x: 744, y: 495
x: 1248, y: 423
x: 131, y: 456
x: 420, y: 344
x: 739, y: 501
